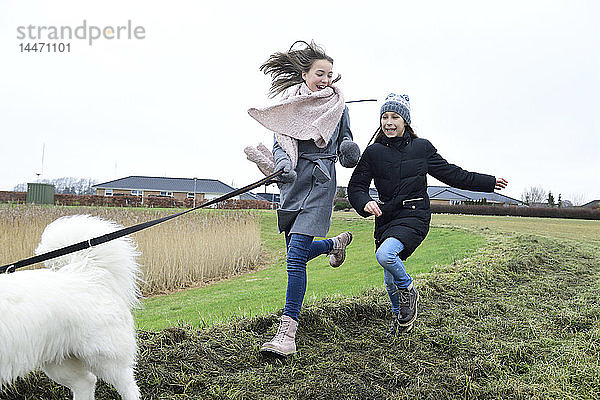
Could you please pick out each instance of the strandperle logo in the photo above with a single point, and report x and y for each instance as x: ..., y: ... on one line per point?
x: 87, y: 32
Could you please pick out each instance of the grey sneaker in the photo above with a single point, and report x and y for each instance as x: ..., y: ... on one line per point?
x: 408, y: 305
x: 337, y: 255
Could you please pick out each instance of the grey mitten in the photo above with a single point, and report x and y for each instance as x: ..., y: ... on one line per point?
x: 289, y: 174
x: 349, y: 154
x: 262, y: 157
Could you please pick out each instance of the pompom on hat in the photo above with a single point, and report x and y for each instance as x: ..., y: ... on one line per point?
x: 398, y: 103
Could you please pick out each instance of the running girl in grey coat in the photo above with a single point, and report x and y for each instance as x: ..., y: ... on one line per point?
x: 312, y: 131
x: 398, y: 161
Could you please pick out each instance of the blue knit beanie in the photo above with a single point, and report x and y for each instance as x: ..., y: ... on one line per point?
x: 397, y: 103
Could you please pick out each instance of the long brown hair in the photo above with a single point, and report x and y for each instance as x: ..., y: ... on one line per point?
x: 378, y: 135
x: 286, y: 68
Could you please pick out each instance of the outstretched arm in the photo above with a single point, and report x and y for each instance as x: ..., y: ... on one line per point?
x: 457, y: 177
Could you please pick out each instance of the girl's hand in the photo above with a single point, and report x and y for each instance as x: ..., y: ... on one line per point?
x: 501, y: 183
x: 289, y: 174
x: 373, y: 208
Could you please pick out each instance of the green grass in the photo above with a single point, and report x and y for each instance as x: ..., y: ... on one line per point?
x: 262, y: 292
x: 564, y: 229
x: 518, y: 319
x: 513, y: 314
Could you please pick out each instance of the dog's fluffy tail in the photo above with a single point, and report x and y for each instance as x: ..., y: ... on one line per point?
x: 112, y: 263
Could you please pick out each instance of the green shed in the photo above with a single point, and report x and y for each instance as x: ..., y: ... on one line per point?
x: 40, y: 193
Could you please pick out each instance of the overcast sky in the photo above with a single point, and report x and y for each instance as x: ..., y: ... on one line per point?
x: 509, y: 88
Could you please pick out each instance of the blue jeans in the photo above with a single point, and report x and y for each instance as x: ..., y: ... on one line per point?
x: 300, y: 249
x: 394, y: 271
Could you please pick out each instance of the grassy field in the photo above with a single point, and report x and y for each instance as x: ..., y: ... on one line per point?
x: 451, y: 238
x: 263, y: 291
x: 517, y: 318
x: 579, y: 230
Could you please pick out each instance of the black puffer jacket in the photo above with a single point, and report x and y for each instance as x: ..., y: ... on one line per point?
x: 399, y: 168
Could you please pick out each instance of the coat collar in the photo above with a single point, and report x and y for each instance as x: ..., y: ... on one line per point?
x: 396, y: 143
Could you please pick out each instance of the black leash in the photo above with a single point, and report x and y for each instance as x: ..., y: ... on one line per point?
x: 129, y: 230
x: 359, y: 101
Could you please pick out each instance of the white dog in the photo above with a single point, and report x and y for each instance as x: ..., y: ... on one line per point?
x: 73, y: 319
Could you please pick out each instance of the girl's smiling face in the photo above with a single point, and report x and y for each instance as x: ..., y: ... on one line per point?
x: 319, y: 75
x: 392, y: 124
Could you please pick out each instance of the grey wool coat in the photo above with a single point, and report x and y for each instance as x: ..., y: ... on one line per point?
x: 307, y: 203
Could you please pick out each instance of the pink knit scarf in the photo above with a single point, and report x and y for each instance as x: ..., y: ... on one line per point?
x: 302, y: 115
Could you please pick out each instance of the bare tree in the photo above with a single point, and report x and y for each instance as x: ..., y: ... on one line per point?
x: 535, y: 194
x: 66, y: 185
x: 578, y: 199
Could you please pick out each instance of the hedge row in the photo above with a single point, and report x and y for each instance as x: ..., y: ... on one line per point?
x: 340, y: 204
x: 131, y: 201
x: 543, y: 212
x: 13, y: 197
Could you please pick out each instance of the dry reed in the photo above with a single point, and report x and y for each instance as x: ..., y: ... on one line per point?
x: 183, y: 252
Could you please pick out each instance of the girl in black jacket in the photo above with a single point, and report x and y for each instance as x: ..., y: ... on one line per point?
x: 398, y: 161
